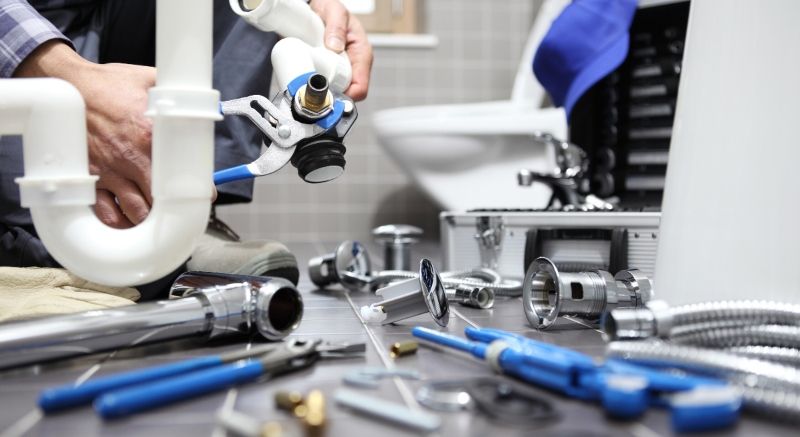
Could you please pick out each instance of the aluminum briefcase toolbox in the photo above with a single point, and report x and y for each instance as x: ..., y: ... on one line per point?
x: 508, y: 240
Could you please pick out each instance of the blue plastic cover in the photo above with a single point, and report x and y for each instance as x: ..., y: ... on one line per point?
x: 584, y: 44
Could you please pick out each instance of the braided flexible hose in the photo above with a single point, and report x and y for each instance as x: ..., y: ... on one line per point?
x: 763, y: 335
x: 747, y: 372
x: 775, y: 403
x: 658, y: 320
x: 750, y: 312
x: 781, y: 355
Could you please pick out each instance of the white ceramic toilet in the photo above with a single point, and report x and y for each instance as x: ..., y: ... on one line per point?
x: 467, y: 156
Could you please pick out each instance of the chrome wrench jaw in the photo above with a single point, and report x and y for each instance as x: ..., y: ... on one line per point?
x: 284, y: 132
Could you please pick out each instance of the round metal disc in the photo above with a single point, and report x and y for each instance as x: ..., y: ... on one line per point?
x: 397, y: 233
x: 352, y: 262
x: 445, y: 395
x: 433, y: 291
x: 540, y: 293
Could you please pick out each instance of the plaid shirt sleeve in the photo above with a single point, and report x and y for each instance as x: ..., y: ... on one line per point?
x: 22, y: 30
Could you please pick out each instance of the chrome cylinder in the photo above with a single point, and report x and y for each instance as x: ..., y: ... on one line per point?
x: 348, y: 265
x: 397, y: 241
x: 270, y: 306
x: 548, y: 293
x: 475, y: 297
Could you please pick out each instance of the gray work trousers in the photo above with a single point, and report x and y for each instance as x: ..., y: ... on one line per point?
x: 123, y: 31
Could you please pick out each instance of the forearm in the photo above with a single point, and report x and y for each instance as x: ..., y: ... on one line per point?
x: 22, y: 33
x: 53, y: 58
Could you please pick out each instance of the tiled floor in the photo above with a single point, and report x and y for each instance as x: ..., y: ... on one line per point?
x: 330, y: 315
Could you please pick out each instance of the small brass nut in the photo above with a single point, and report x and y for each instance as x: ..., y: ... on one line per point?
x: 309, y: 106
x: 403, y: 348
x: 288, y: 400
x: 315, y: 415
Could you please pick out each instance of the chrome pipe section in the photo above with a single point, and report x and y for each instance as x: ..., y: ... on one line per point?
x: 659, y: 320
x: 474, y: 297
x: 548, y: 293
x: 270, y: 306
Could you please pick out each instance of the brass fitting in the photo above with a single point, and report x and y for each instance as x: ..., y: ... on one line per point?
x: 314, y: 96
x: 403, y: 348
x: 288, y: 400
x: 309, y: 411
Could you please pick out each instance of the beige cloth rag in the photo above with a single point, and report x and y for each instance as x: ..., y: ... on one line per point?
x: 32, y: 291
x: 217, y: 253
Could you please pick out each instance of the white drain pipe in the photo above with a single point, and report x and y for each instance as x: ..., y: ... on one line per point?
x: 303, y: 46
x: 59, y: 190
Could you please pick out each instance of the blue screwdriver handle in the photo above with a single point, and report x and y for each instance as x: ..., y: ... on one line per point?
x: 233, y: 174
x: 68, y: 396
x: 166, y: 391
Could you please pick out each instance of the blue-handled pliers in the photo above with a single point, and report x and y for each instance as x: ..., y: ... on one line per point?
x: 625, y: 390
x: 131, y: 392
x: 275, y: 120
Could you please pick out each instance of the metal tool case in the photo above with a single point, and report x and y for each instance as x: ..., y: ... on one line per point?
x: 508, y: 240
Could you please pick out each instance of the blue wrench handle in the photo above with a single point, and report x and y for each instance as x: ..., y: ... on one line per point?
x: 232, y: 174
x: 167, y: 391
x: 68, y: 396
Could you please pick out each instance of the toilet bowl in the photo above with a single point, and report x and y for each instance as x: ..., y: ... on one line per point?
x: 467, y: 156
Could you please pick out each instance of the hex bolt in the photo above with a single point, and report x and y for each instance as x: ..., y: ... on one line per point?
x: 548, y: 293
x: 474, y: 297
x: 349, y: 265
x: 397, y: 241
x: 410, y: 298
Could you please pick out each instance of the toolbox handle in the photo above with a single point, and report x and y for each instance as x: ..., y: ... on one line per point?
x: 618, y: 249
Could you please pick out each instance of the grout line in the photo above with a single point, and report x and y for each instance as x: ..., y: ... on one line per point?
x: 464, y: 318
x: 402, y: 387
x: 88, y: 374
x: 24, y: 424
x: 28, y: 421
x: 582, y: 323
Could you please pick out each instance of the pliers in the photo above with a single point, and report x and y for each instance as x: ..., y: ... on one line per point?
x: 132, y: 392
x: 276, y: 121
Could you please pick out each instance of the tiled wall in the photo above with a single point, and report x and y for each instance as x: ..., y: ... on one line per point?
x: 480, y: 46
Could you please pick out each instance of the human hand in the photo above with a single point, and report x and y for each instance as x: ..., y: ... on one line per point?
x: 344, y: 32
x: 119, y: 139
x: 119, y: 134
